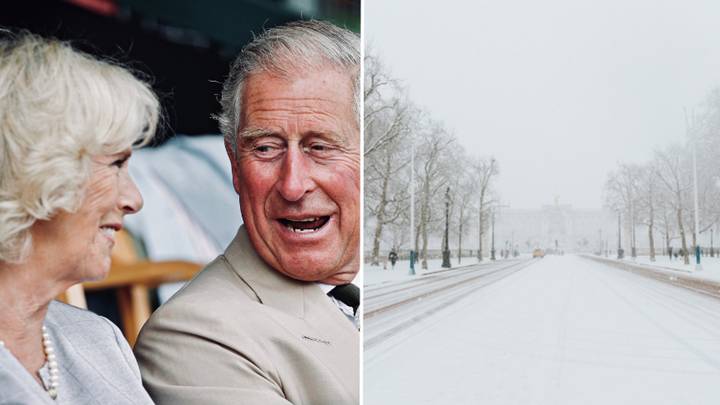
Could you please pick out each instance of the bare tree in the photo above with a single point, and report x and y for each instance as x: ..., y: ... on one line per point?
x: 621, y: 195
x: 466, y: 185
x: 673, y: 176
x: 385, y: 190
x: 431, y: 161
x: 386, y: 110
x: 484, y: 170
x: 647, y: 202
x: 387, y: 116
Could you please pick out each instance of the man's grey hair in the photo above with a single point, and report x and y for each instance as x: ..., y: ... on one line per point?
x: 285, y: 50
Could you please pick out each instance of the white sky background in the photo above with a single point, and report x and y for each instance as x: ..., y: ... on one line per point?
x: 558, y: 91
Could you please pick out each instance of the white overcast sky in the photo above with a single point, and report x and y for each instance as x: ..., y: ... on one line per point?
x: 557, y: 91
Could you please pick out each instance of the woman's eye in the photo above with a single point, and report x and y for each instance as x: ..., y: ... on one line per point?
x: 120, y: 162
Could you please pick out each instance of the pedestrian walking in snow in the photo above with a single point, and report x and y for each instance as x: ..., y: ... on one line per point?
x: 392, y: 256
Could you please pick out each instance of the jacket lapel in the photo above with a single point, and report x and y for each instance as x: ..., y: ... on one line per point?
x: 325, y: 330
x: 271, y: 287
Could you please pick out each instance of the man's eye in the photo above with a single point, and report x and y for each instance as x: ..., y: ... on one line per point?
x: 319, y: 149
x: 267, y: 151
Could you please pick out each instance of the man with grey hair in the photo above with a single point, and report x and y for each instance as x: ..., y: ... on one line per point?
x: 272, y: 320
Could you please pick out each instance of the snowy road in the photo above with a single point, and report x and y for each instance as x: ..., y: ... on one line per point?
x: 564, y: 330
x: 391, y: 309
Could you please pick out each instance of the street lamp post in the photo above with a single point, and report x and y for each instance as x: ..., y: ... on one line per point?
x: 620, y: 253
x: 633, y: 250
x: 446, y: 238
x: 698, y: 266
x: 412, y: 205
x: 512, y: 243
x: 492, y: 239
x: 693, y: 140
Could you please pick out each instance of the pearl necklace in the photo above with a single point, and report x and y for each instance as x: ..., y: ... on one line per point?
x: 52, y: 390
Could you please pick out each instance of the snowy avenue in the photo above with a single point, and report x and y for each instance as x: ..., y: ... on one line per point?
x: 557, y: 330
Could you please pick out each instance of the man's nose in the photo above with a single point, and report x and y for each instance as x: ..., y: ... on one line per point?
x: 295, y: 178
x: 130, y: 200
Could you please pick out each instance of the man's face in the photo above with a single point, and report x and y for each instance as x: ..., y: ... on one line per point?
x: 297, y: 172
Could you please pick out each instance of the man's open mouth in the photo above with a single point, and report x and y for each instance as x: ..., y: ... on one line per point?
x: 305, y: 225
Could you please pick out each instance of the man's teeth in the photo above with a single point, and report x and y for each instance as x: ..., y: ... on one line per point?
x: 307, y: 220
x: 301, y: 225
x: 300, y: 230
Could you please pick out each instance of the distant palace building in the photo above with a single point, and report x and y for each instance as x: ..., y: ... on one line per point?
x: 555, y: 227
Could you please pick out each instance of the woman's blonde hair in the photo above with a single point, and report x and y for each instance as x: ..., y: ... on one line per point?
x: 58, y: 108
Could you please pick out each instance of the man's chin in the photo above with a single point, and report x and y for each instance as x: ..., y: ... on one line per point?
x: 314, y: 271
x: 340, y: 278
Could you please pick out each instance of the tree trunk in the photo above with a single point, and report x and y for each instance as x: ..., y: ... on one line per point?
x: 417, y: 240
x: 682, y: 236
x: 481, y: 226
x: 694, y: 240
x: 376, y: 246
x: 380, y: 216
x: 460, y: 227
x: 480, y: 238
x: 667, y: 238
x: 424, y: 219
x: 424, y: 264
x: 652, y: 242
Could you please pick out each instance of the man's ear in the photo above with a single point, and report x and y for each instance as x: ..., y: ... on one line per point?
x: 233, y: 165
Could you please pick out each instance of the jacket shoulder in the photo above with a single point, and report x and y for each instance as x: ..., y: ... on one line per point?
x: 215, y: 287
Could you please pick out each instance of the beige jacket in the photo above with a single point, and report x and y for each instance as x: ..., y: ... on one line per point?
x: 242, y: 333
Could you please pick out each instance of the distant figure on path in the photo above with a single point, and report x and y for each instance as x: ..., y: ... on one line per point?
x: 392, y: 256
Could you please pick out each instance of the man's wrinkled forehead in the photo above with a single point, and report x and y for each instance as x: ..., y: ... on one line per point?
x: 289, y: 75
x: 316, y: 102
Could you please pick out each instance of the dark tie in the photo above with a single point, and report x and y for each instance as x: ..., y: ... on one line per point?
x: 348, y: 294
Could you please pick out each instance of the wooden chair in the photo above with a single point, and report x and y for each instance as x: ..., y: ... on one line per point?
x: 132, y: 277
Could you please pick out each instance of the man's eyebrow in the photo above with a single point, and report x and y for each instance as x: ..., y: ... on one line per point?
x: 248, y: 134
x: 330, y: 137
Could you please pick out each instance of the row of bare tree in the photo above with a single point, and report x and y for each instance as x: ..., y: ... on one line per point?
x: 659, y: 194
x: 395, y: 131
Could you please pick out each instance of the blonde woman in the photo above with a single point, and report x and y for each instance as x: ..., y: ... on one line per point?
x: 67, y: 126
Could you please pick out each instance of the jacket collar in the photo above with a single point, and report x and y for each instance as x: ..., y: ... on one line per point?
x: 271, y: 287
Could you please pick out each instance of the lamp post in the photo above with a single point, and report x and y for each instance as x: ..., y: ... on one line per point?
x: 512, y: 243
x: 412, y: 205
x: 633, y: 250
x: 446, y: 239
x: 698, y: 266
x: 693, y: 139
x: 620, y: 253
x: 492, y: 239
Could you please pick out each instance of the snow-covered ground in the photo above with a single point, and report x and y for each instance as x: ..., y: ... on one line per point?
x: 565, y: 330
x: 377, y: 274
x: 710, y: 266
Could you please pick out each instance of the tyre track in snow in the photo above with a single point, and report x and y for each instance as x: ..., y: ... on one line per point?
x: 389, y: 314
x: 653, y: 290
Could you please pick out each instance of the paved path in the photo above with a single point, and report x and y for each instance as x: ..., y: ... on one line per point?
x: 565, y: 330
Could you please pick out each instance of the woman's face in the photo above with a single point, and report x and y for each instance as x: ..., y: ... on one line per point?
x: 82, y: 241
